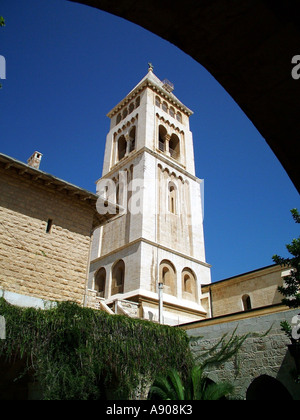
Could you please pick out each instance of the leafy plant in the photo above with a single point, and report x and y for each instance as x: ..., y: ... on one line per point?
x: 196, y: 387
x: 288, y: 330
x: 291, y: 288
x: 81, y: 353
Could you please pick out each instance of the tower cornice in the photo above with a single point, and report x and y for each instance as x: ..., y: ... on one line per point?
x: 152, y: 82
x: 159, y: 156
x: 154, y: 244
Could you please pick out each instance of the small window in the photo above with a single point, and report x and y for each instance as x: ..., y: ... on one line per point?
x: 165, y: 276
x: 122, y: 145
x: 179, y: 117
x: 162, y: 138
x: 137, y: 101
x: 119, y: 117
x: 172, y: 112
x: 125, y: 113
x: 172, y: 199
x: 100, y: 280
x: 131, y: 107
x: 174, y: 146
x: 49, y: 225
x: 246, y: 303
x: 165, y: 106
x: 157, y: 101
x: 187, y: 284
x: 118, y: 275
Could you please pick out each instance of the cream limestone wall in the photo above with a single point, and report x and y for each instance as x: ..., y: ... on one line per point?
x: 50, y: 266
x: 131, y: 255
x: 260, y: 285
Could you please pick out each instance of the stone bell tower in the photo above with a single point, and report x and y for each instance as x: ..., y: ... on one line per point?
x: 158, y: 236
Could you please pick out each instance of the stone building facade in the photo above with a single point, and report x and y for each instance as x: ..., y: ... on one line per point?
x: 46, y: 226
x: 250, y: 303
x: 251, y: 290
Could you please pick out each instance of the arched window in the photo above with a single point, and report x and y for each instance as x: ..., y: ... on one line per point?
x: 174, y: 146
x: 172, y: 198
x: 137, y: 101
x: 125, y: 113
x: 131, y: 107
x: 100, y: 280
x: 118, y: 277
x: 121, y: 147
x: 167, y: 276
x: 172, y: 112
x: 162, y: 138
x: 189, y: 290
x: 119, y: 117
x: 187, y: 283
x: 246, y: 303
x: 165, y: 106
x: 179, y: 117
x: 132, y: 139
x: 157, y: 101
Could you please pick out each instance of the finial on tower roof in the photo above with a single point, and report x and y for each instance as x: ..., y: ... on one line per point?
x: 150, y: 67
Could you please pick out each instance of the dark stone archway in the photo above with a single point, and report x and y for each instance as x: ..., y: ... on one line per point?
x: 266, y: 388
x: 247, y: 45
x: 15, y: 379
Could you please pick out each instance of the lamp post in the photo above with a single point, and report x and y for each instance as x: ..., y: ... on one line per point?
x: 160, y: 301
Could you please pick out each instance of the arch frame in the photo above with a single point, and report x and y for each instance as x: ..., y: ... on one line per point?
x: 208, y: 34
x: 118, y: 270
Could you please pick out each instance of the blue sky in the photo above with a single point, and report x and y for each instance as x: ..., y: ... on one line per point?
x: 68, y: 65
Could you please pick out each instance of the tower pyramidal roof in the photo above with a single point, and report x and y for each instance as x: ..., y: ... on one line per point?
x: 165, y: 88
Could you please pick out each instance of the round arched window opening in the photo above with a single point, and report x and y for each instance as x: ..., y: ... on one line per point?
x: 247, y: 306
x: 189, y: 284
x: 121, y: 147
x: 167, y: 276
x: 100, y: 281
x: 118, y: 278
x: 172, y: 198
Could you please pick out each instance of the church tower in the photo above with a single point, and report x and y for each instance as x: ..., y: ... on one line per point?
x: 157, y: 238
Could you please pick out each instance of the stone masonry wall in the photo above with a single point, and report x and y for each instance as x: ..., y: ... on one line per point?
x: 51, y: 266
x: 258, y: 356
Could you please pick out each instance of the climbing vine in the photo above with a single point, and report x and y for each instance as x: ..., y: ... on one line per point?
x: 81, y: 353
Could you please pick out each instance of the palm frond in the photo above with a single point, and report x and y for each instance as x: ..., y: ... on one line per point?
x: 214, y: 392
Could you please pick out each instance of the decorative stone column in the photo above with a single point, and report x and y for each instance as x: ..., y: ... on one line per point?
x: 128, y: 142
x: 167, y: 142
